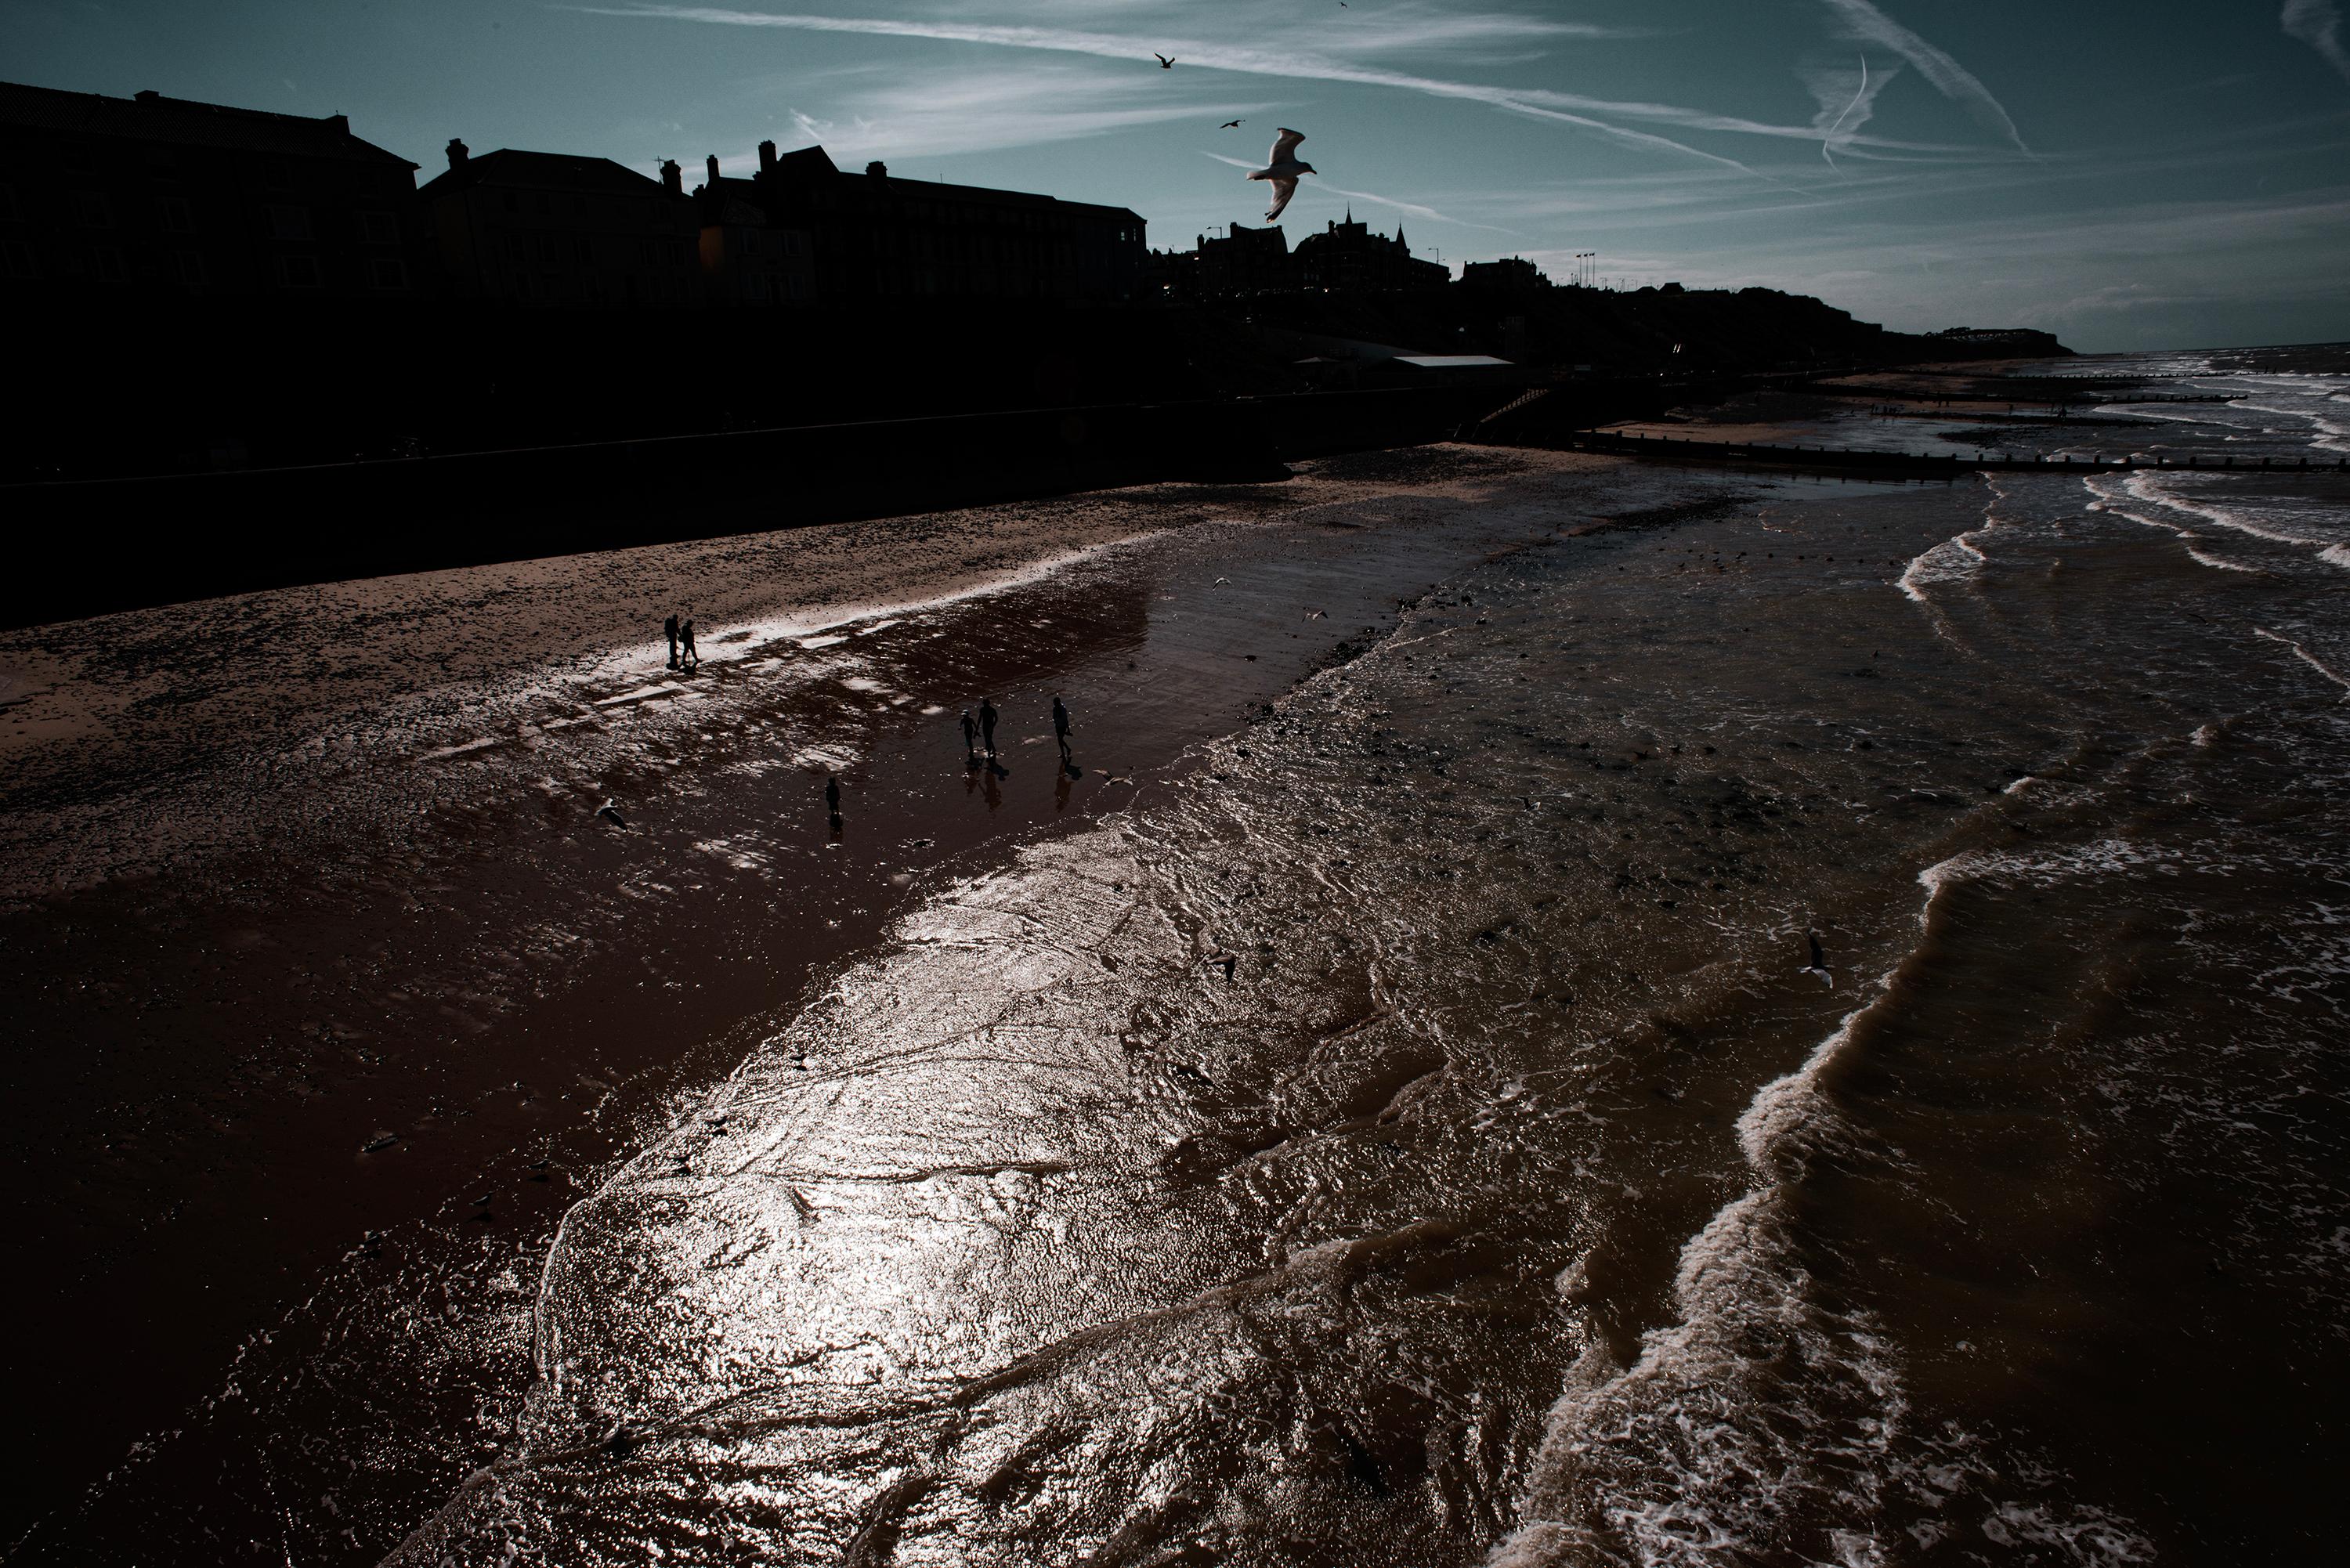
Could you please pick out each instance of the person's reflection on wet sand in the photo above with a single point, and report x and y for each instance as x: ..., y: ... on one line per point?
x: 832, y: 802
x: 1061, y: 777
x: 993, y: 772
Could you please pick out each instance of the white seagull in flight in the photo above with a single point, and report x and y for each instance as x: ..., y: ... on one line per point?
x: 1283, y: 169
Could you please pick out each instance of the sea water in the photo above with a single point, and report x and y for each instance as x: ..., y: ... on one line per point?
x: 1767, y: 1022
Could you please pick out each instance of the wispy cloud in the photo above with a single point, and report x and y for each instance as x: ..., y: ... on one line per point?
x: 1410, y: 209
x: 898, y: 114
x: 1564, y: 108
x: 1850, y: 96
x: 2318, y: 24
x: 1865, y: 23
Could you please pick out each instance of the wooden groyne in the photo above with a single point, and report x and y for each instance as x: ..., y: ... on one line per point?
x: 1911, y: 466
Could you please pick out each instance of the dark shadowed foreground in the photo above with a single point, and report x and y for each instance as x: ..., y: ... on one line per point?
x: 1410, y: 1125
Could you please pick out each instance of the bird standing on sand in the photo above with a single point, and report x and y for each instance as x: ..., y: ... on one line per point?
x: 1166, y: 62
x: 611, y: 812
x: 1282, y: 170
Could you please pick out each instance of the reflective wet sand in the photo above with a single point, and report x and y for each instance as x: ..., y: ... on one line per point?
x: 1413, y: 1121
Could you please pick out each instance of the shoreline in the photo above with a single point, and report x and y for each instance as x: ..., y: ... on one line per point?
x: 463, y: 965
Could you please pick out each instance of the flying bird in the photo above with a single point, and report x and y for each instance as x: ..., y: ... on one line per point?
x: 1282, y: 170
x: 1228, y: 125
x: 1166, y: 62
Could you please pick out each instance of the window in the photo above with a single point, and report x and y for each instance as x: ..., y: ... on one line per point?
x: 380, y: 228
x: 7, y: 204
x: 274, y: 171
x: 585, y: 248
x: 300, y: 271
x: 107, y: 262
x: 289, y: 222
x: 514, y: 202
x: 179, y: 217
x: 191, y: 269
x: 391, y: 272
x: 513, y: 248
x: 97, y: 212
x: 19, y: 259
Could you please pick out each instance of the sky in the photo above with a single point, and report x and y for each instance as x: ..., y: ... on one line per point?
x: 2128, y: 174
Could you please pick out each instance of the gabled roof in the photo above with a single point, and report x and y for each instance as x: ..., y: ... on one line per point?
x: 509, y: 168
x: 150, y: 117
x: 808, y: 163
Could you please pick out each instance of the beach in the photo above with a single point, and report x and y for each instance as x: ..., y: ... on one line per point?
x: 1570, y: 1013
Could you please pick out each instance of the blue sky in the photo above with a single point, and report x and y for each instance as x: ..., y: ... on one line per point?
x: 2128, y: 173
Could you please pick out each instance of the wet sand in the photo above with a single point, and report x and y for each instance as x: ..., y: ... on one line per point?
x: 1760, y: 1020
x: 309, y: 911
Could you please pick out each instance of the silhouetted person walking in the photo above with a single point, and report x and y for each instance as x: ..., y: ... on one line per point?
x: 969, y: 734
x: 1061, y: 726
x: 987, y: 722
x: 685, y: 635
x: 670, y: 625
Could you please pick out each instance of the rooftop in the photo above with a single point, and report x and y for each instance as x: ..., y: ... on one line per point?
x: 151, y: 117
x: 543, y: 172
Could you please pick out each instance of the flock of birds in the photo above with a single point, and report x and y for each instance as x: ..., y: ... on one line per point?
x: 1280, y: 167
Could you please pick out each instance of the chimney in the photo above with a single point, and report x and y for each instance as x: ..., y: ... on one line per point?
x: 457, y: 153
x: 711, y: 163
x: 877, y: 169
x: 672, y: 177
x: 341, y: 122
x: 766, y: 158
x: 147, y: 95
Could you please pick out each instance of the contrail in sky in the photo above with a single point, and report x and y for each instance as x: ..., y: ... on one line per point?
x: 1865, y: 22
x: 1559, y: 108
x: 1413, y: 208
x: 1827, y: 143
x: 2318, y: 24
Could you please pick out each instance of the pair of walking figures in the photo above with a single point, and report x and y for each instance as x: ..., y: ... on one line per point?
x: 981, y: 732
x: 680, y: 637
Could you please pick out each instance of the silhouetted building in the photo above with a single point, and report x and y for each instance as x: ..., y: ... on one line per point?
x: 748, y: 256
x: 555, y: 229
x: 151, y: 196
x: 875, y: 236
x: 1509, y: 275
x: 1347, y: 258
x: 2023, y: 339
x: 1170, y: 274
x: 1245, y: 261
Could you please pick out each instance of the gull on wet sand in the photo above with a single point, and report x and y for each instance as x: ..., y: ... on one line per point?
x: 1281, y: 171
x: 611, y: 812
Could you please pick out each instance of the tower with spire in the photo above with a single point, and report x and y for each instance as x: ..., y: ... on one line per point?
x: 1347, y: 257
